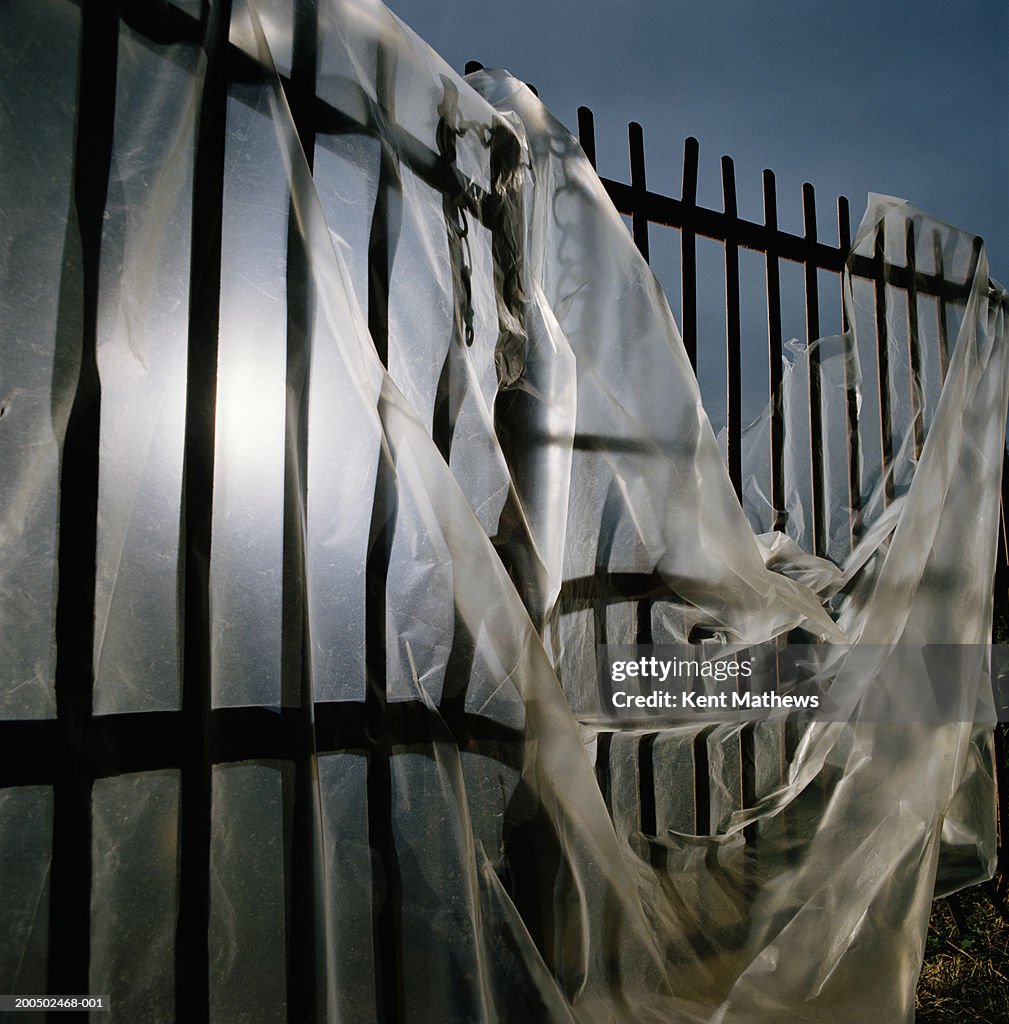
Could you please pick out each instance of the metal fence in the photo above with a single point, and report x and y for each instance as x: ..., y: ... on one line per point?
x: 646, y: 208
x: 68, y: 753
x: 725, y: 226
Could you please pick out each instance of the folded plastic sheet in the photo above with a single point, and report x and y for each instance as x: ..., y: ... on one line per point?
x: 435, y: 324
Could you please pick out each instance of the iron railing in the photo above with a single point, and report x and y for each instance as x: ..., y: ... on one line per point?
x: 71, y: 751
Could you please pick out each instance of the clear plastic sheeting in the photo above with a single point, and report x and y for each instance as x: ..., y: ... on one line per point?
x: 134, y: 892
x: 343, y: 716
x: 141, y: 352
x: 26, y: 823
x: 246, y: 898
x: 37, y: 368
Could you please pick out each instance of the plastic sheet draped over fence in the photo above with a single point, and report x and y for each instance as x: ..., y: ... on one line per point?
x: 448, y: 422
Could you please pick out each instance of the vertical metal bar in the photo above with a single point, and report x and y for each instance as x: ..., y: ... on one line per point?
x: 943, y: 327
x: 787, y: 736
x: 844, y: 244
x: 883, y: 364
x: 975, y: 256
x: 913, y: 343
x: 816, y: 461
x: 733, y: 407
x: 303, y: 979
x: 643, y: 616
x: 688, y: 250
x: 647, y: 815
x: 387, y: 925
x: 70, y: 884
x: 603, y: 745
x: 1000, y: 615
x: 748, y: 796
x: 777, y: 425
x: 702, y: 784
x: 747, y: 771
x: 191, y: 942
x: 191, y: 949
x: 850, y: 390
x: 300, y: 91
x: 386, y: 884
x: 646, y: 784
x: 639, y: 216
x: 1000, y: 610
x: 587, y: 134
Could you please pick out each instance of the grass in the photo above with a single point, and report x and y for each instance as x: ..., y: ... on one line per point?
x: 965, y: 977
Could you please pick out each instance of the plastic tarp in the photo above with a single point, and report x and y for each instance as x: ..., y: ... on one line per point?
x: 449, y: 411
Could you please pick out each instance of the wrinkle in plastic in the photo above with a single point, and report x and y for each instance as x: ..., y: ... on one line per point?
x: 509, y: 423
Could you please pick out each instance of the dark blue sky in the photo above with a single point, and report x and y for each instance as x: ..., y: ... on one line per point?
x: 910, y: 99
x: 905, y: 98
